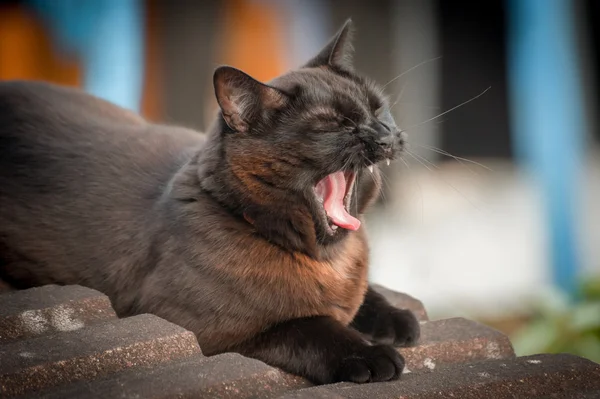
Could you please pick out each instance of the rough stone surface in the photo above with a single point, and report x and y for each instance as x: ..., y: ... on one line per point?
x: 403, y: 301
x: 67, y: 343
x: 316, y: 393
x: 48, y: 309
x: 539, y: 376
x: 223, y: 376
x: 64, y: 357
x: 456, y: 340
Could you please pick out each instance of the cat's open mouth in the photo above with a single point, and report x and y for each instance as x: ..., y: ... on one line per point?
x: 334, y: 192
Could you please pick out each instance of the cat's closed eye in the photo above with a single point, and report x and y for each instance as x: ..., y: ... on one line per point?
x: 326, y: 125
x: 323, y: 120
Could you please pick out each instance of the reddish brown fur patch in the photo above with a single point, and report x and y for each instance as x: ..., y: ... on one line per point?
x: 251, y: 171
x: 302, y: 285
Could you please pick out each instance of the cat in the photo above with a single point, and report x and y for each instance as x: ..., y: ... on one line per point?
x: 249, y: 235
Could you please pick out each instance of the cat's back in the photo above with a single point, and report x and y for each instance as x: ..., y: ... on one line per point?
x: 46, y: 127
x: 79, y: 176
x: 36, y: 102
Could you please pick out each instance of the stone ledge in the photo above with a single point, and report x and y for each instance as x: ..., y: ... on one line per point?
x: 145, y: 356
x: 222, y: 376
x: 61, y: 358
x: 532, y: 377
x: 456, y: 340
x: 49, y: 309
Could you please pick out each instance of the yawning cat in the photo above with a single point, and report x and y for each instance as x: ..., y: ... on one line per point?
x: 250, y: 236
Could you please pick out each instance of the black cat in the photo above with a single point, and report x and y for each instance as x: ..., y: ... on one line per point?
x: 249, y: 236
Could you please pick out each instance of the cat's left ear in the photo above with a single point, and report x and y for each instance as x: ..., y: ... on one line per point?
x: 338, y: 52
x: 242, y: 98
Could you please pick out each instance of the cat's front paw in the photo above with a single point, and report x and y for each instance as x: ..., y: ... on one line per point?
x: 370, y: 364
x: 398, y: 327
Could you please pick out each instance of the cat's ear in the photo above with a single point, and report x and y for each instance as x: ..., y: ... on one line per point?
x: 338, y: 52
x: 243, y: 98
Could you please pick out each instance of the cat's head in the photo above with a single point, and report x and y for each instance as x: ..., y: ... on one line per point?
x: 307, y: 145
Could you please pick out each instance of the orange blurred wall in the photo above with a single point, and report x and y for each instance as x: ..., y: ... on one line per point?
x: 252, y: 40
x: 26, y: 51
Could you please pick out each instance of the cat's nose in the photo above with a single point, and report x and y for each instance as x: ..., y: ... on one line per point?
x: 384, y: 137
x: 386, y: 142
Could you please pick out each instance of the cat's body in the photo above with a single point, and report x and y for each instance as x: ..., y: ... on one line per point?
x: 118, y: 206
x: 211, y: 232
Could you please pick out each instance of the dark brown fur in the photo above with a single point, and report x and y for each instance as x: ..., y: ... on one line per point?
x: 219, y: 233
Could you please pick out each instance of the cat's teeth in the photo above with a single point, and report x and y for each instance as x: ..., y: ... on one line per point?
x: 334, y: 227
x: 387, y: 161
x: 370, y: 168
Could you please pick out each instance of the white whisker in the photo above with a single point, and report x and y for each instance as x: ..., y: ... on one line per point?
x: 410, y: 69
x: 459, y: 159
x: 356, y: 195
x: 421, y: 160
x: 371, y: 168
x: 450, y: 110
x: 399, y: 95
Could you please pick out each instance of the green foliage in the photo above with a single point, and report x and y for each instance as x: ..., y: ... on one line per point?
x: 560, y: 326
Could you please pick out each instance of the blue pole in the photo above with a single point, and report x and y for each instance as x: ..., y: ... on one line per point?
x: 114, y: 57
x: 108, y: 36
x: 548, y: 120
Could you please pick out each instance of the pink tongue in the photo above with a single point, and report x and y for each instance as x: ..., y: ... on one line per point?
x: 333, y: 189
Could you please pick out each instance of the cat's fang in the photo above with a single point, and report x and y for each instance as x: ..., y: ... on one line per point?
x: 370, y: 168
x: 387, y: 161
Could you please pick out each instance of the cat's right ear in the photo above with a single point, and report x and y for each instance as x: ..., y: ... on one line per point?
x: 338, y: 52
x: 243, y: 98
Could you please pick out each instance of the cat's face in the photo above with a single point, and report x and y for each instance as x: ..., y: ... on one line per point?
x: 311, y: 137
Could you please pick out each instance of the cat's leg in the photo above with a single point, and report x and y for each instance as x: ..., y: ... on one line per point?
x: 385, y: 324
x: 324, y: 351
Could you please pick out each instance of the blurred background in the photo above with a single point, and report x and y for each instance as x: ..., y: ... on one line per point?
x: 494, y: 212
